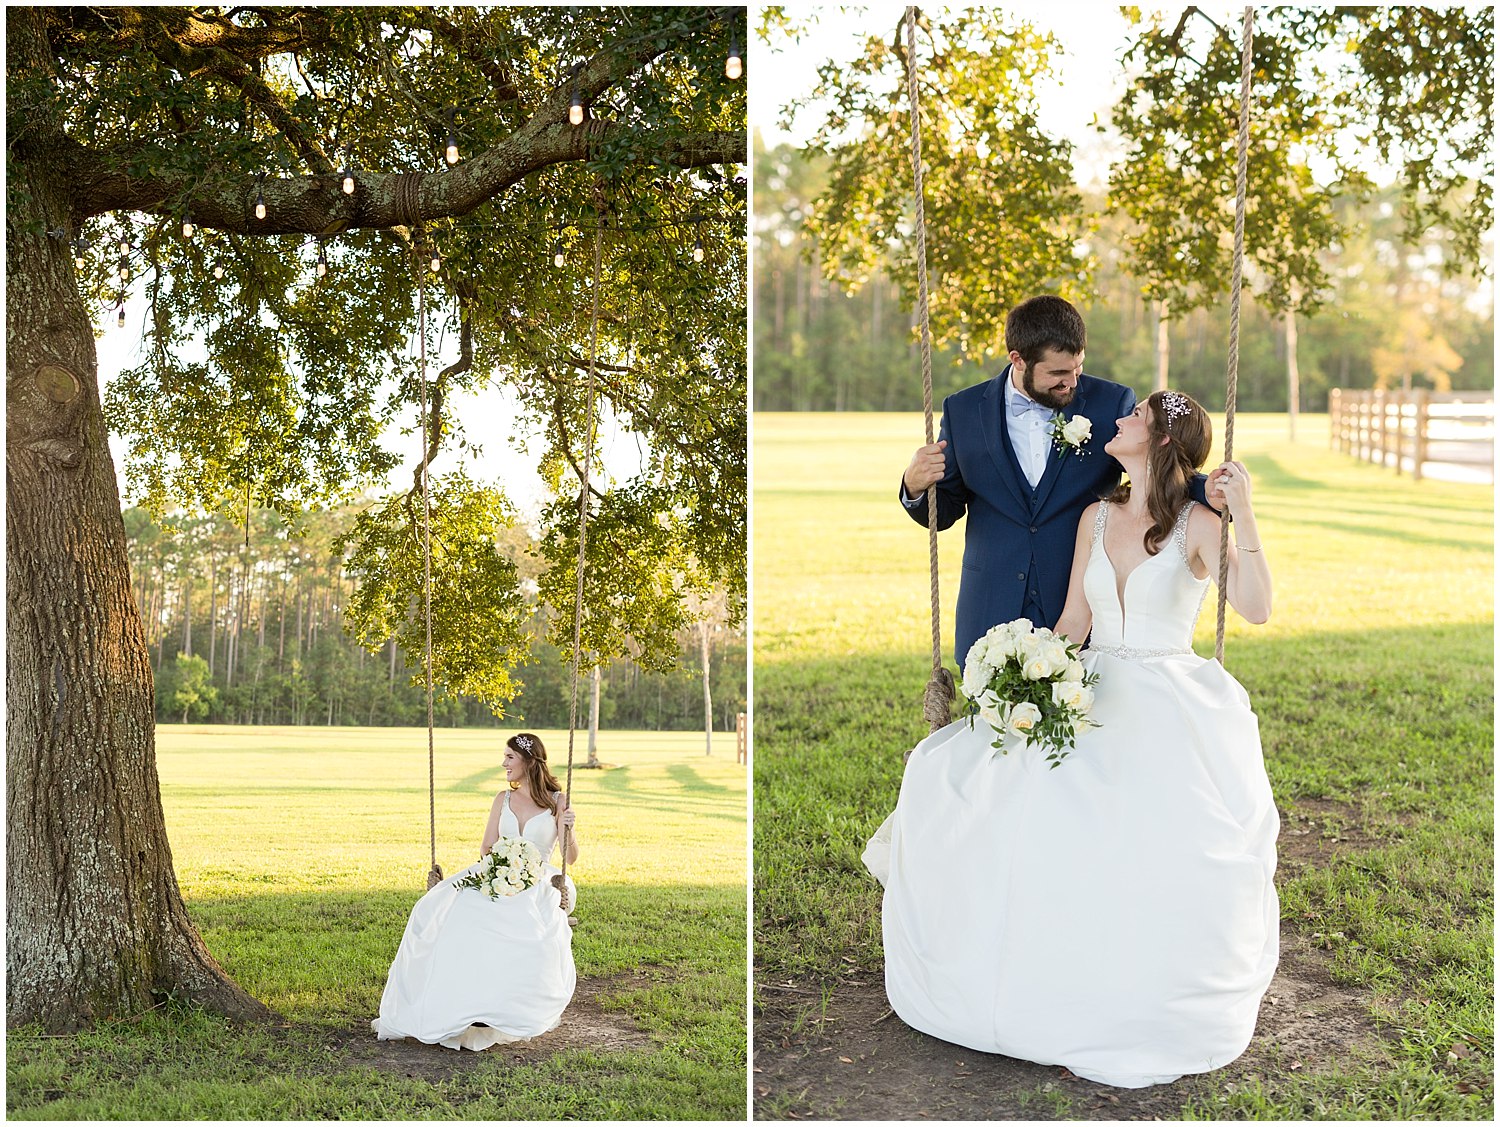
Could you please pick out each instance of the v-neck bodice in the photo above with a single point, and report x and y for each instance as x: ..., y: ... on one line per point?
x: 540, y: 829
x: 1155, y: 609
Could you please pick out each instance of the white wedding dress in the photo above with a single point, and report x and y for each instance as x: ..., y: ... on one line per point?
x: 1116, y: 914
x: 473, y: 972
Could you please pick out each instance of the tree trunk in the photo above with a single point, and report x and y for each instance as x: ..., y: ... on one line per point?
x: 1163, y: 346
x: 594, y: 719
x: 1293, y: 378
x: 708, y: 700
x: 95, y: 923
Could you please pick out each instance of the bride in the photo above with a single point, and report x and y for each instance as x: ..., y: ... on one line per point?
x: 473, y: 972
x: 1116, y: 915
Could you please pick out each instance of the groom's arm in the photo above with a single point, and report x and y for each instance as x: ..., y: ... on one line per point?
x: 952, y: 494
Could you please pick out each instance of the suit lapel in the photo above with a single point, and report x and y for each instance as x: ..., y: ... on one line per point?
x: 1059, y: 459
x: 997, y: 439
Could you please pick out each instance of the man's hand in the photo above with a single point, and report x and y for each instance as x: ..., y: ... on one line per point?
x: 926, y: 469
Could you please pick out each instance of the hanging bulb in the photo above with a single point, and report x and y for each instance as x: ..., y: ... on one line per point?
x: 124, y: 244
x: 450, y: 154
x: 187, y: 227
x: 348, y: 184
x: 124, y: 269
x: 79, y: 246
x: 575, y: 111
x: 698, y: 249
x: 322, y: 262
x: 120, y: 315
x: 734, y: 66
x: 218, y: 271
x: 260, y: 204
x: 559, y: 259
x: 436, y: 262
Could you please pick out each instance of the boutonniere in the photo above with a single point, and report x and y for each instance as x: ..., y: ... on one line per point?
x: 1071, y: 434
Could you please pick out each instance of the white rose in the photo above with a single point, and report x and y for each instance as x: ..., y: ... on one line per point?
x: 1036, y: 667
x: 1019, y: 627
x: 1022, y: 719
x: 1074, y: 670
x: 976, y: 677
x: 1076, y: 430
x: 1073, y: 694
x: 1056, y: 653
x: 992, y: 712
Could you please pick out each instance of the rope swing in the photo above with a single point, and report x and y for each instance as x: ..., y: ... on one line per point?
x: 937, y: 700
x: 435, y: 873
x: 560, y: 882
x: 1240, y: 176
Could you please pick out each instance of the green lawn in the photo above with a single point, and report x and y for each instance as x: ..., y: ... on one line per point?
x: 1373, y: 682
x: 300, y: 852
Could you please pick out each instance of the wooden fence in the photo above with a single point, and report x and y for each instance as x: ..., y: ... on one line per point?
x: 1406, y: 429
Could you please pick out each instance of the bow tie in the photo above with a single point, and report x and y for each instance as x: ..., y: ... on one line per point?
x: 1020, y: 405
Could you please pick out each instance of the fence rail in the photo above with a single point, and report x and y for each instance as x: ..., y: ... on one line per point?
x: 1408, y: 429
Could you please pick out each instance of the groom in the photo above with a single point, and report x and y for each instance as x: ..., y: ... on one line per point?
x: 1012, y: 455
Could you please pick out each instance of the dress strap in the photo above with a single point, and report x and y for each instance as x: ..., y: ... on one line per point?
x: 1179, y: 531
x: 1099, y: 519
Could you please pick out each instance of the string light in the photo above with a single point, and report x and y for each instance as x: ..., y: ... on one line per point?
x: 698, y: 249
x: 436, y: 261
x: 450, y: 154
x: 79, y: 246
x: 124, y: 244
x: 187, y: 226
x: 559, y: 259
x: 124, y: 269
x: 260, y: 197
x: 348, y: 174
x: 322, y: 260
x: 734, y: 66
x: 120, y: 313
x: 218, y: 271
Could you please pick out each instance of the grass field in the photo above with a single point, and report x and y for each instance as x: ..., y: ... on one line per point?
x: 1373, y: 683
x: 300, y: 852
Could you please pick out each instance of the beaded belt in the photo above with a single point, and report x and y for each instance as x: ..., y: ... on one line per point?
x: 1136, y: 651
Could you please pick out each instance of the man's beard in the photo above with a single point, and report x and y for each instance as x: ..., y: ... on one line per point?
x: 1057, y: 400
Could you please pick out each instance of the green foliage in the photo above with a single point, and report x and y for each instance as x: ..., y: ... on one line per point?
x: 479, y: 614
x: 1176, y: 181
x: 1002, y: 213
x: 188, y: 687
x: 276, y: 383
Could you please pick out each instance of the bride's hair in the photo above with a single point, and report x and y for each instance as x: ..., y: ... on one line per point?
x: 541, y: 783
x: 1169, y: 465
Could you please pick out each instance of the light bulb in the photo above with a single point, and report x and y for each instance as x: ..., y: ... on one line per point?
x: 218, y: 271
x: 348, y: 183
x: 260, y: 204
x: 124, y: 245
x: 436, y: 263
x: 698, y: 251
x: 575, y: 111
x: 559, y: 259
x: 450, y: 154
x: 322, y: 265
x: 120, y: 317
x: 734, y: 66
x: 187, y: 228
x: 124, y: 270
x: 78, y: 248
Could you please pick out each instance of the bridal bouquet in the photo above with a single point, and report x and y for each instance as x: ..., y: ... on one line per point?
x: 512, y: 865
x: 1027, y: 683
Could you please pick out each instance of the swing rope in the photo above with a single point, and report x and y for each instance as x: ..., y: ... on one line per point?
x: 1240, y: 176
x: 560, y: 882
x: 937, y: 699
x: 435, y: 873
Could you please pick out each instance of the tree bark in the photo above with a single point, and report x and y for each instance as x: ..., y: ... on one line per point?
x: 1293, y: 377
x: 95, y: 923
x: 708, y: 700
x: 1163, y: 346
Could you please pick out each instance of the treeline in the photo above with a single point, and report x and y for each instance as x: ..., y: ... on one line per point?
x: 250, y: 632
x: 1392, y: 319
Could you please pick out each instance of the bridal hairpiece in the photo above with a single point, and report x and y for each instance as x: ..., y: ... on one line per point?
x: 1175, y: 404
x: 524, y: 743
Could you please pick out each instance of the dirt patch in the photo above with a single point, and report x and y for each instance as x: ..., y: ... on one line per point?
x: 851, y: 1058
x: 586, y: 1024
x: 1316, y: 830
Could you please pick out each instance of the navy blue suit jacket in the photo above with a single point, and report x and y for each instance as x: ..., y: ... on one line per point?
x: 1018, y: 539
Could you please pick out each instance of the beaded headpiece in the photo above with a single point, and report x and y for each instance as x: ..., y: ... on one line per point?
x: 1175, y: 405
x: 524, y: 744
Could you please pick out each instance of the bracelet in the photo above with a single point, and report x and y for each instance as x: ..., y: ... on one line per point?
x: 1242, y: 548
